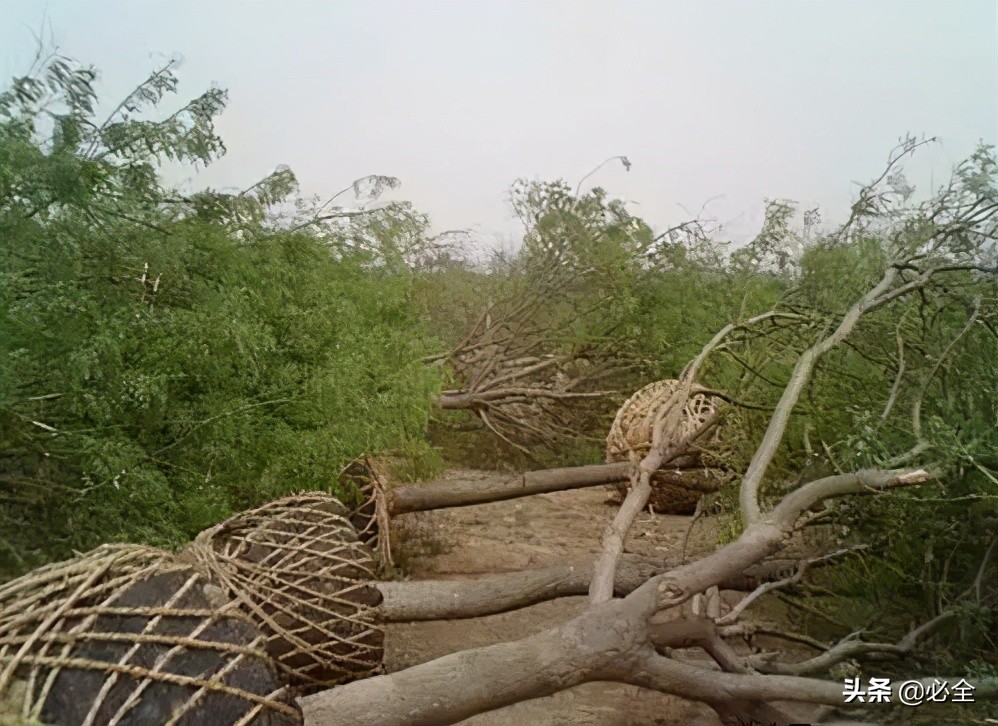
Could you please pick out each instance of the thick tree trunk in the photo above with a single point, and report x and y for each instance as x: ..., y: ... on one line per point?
x: 607, y: 642
x: 415, y: 600
x: 462, y: 494
x: 454, y: 401
x: 460, y: 685
x: 611, y: 640
x: 453, y: 599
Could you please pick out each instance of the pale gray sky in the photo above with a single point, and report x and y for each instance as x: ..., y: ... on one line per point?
x: 742, y: 100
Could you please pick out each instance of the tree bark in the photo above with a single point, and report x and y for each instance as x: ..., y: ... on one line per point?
x: 414, y: 600
x: 460, y: 685
x: 607, y: 642
x: 462, y: 494
x: 454, y: 599
x: 454, y: 401
x: 611, y: 640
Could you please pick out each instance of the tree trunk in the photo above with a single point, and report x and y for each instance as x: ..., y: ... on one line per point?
x: 460, y: 685
x: 453, y: 599
x: 462, y: 494
x: 414, y: 600
x: 454, y: 401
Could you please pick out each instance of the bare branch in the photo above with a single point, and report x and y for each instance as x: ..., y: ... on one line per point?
x: 623, y: 160
x: 796, y: 577
x: 697, y: 632
x: 896, y: 386
x: 662, y: 452
x: 748, y: 497
x: 851, y: 647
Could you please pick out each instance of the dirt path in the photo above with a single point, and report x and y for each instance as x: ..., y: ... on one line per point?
x: 536, y: 531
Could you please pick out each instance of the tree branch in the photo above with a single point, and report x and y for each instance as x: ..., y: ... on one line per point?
x: 762, y: 589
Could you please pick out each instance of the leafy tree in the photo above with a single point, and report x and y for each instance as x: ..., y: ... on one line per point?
x: 168, y: 359
x: 862, y: 409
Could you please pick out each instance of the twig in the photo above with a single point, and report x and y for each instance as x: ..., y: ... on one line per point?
x: 796, y: 577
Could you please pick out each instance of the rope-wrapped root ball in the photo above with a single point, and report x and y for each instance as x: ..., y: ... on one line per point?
x: 298, y: 570
x: 132, y: 635
x: 369, y: 481
x: 677, y: 488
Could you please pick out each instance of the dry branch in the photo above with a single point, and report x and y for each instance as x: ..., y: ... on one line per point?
x: 765, y: 587
x: 524, y: 384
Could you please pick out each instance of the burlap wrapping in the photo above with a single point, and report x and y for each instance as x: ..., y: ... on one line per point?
x: 299, y: 572
x: 630, y: 439
x: 132, y: 635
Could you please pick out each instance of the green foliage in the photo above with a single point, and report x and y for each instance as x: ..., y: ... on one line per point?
x: 589, y: 234
x: 167, y: 361
x: 914, y: 385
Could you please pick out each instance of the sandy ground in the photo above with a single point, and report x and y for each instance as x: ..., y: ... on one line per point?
x: 535, y: 531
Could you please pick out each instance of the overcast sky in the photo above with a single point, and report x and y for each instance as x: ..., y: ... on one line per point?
x: 736, y: 100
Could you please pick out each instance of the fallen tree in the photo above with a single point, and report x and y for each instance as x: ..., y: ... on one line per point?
x: 441, y: 495
x: 515, y: 374
x: 616, y: 639
x: 539, y: 365
x: 444, y: 494
x: 411, y: 601
x: 459, y: 494
x: 940, y: 254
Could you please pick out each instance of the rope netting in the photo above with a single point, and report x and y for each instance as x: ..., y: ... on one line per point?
x: 297, y: 569
x: 630, y: 439
x: 370, y: 517
x: 631, y: 432
x: 127, y: 634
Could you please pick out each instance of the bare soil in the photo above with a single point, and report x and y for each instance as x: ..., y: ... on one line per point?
x: 537, y: 531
